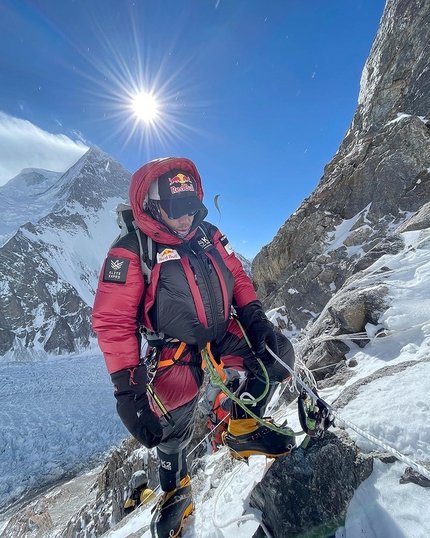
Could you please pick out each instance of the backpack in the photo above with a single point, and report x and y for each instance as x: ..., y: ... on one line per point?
x: 147, y: 247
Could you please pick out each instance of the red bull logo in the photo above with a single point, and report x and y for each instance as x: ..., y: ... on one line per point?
x: 180, y: 183
x: 167, y: 254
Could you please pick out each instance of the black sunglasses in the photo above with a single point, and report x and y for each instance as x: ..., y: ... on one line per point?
x: 190, y: 214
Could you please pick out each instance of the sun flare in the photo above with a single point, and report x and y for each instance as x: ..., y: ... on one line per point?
x: 145, y: 107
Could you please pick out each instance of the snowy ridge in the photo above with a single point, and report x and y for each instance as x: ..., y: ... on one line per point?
x: 24, y: 199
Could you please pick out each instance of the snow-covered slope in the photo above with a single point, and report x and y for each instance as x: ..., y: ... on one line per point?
x: 25, y: 198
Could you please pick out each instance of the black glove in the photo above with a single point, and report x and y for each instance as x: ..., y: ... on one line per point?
x: 259, y: 329
x: 133, y: 406
x: 261, y: 333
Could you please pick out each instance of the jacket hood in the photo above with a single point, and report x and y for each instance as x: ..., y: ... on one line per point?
x: 139, y: 186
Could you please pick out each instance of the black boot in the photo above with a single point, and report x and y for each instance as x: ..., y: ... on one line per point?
x: 171, y: 510
x: 246, y: 437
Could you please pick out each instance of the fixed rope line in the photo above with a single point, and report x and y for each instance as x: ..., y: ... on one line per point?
x: 244, y: 517
x: 365, y: 276
x: 206, y: 436
x: 382, y: 333
x: 419, y: 468
x: 216, y: 380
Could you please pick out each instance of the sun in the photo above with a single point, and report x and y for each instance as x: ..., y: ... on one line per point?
x: 145, y: 107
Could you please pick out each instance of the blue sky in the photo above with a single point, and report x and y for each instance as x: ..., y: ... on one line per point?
x: 258, y: 93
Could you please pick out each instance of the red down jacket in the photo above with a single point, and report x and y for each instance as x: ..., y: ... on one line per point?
x: 193, y: 284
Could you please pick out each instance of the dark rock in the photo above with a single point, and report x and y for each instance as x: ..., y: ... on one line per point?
x: 112, y: 490
x: 410, y: 475
x: 308, y: 492
x: 378, y: 177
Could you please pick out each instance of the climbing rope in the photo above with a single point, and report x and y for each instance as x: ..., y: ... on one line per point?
x: 245, y: 517
x: 419, y: 468
x: 365, y: 276
x: 216, y: 380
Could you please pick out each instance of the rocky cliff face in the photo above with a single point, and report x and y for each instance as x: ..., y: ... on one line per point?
x: 378, y: 178
x: 59, y: 231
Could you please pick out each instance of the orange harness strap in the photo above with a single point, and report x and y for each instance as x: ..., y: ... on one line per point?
x: 176, y: 356
x: 178, y: 353
x: 218, y: 367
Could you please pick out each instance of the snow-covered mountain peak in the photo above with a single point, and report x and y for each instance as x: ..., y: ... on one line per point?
x: 25, y: 199
x: 93, y: 179
x: 55, y: 234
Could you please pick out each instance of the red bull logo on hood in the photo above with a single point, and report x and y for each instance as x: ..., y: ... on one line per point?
x: 181, y: 183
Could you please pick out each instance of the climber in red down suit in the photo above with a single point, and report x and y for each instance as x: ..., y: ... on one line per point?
x: 195, y: 281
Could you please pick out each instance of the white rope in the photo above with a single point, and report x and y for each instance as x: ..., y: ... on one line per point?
x: 218, y: 495
x: 366, y: 275
x: 419, y: 468
x: 383, y: 333
x: 206, y: 436
x: 245, y: 517
x: 306, y: 373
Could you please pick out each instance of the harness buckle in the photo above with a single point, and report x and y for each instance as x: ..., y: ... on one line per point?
x: 151, y: 362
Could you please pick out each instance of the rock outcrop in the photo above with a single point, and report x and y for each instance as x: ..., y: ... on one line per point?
x: 376, y: 181
x: 307, y: 492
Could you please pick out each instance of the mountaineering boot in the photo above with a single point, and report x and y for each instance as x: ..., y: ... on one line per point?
x: 137, y: 498
x: 245, y: 437
x: 171, y: 510
x: 139, y: 492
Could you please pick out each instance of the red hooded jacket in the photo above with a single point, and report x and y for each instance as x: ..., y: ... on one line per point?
x: 199, y: 283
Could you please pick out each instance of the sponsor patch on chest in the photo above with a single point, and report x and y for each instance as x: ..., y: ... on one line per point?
x: 204, y: 242
x: 116, y: 270
x: 167, y: 255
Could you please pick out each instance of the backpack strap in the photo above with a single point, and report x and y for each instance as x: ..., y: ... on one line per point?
x: 147, y: 248
x: 147, y: 254
x: 203, y: 227
x: 147, y: 251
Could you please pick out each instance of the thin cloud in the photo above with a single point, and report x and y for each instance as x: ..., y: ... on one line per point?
x: 24, y: 145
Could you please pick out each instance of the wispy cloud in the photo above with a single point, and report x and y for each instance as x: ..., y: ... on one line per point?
x: 24, y: 145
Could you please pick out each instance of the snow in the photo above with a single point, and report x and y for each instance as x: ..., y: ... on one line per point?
x: 58, y: 416
x: 25, y: 198
x: 76, y: 256
x: 343, y: 231
x: 401, y: 115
